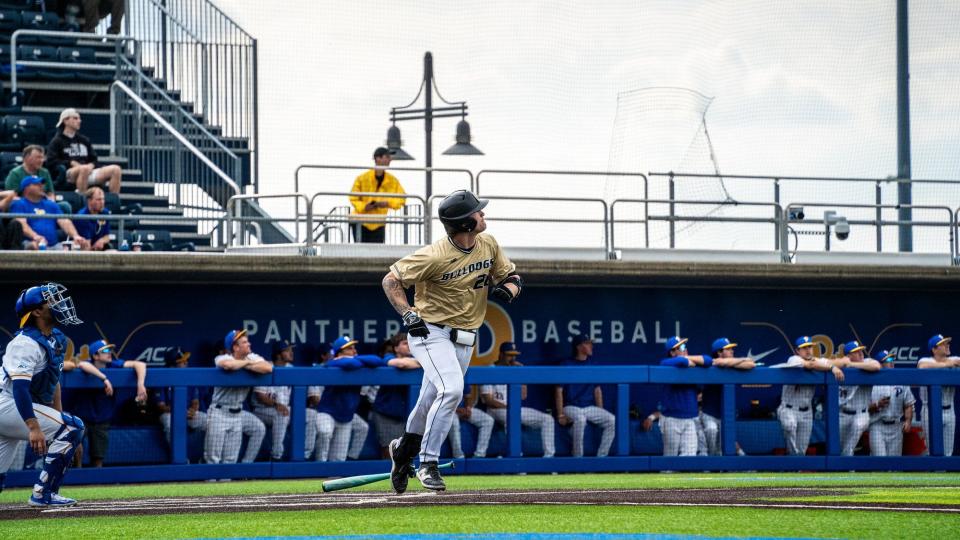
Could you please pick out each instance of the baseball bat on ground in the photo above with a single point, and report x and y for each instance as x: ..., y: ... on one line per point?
x: 363, y: 479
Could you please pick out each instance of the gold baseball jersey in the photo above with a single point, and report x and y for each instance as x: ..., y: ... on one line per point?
x: 451, y: 283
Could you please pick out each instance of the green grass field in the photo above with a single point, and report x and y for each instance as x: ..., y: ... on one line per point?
x: 706, y: 521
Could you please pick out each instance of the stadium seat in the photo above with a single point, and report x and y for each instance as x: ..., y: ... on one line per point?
x: 84, y: 55
x: 159, y: 241
x: 9, y: 160
x: 9, y: 20
x: 40, y: 53
x: 20, y: 130
x: 75, y: 199
x: 39, y: 21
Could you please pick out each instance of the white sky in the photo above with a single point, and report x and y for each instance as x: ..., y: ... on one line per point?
x: 801, y: 88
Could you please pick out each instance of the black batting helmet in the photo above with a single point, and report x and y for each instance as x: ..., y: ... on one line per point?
x: 456, y: 210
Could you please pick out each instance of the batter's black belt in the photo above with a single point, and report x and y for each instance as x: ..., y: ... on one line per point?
x: 946, y: 407
x: 801, y: 409
x: 888, y: 422
x: 231, y: 410
x: 852, y: 411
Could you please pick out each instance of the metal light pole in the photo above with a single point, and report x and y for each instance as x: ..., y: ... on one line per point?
x: 463, y: 147
x: 904, y: 192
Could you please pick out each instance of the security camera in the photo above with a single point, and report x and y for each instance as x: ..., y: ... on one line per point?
x: 842, y: 229
x: 796, y: 213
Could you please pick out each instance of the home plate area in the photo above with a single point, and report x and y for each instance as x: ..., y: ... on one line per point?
x: 715, y: 497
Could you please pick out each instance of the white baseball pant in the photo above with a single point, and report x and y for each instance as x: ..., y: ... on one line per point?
x: 708, y: 435
x: 199, y: 421
x: 535, y: 419
x: 225, y: 431
x: 311, y: 434
x: 886, y: 439
x: 595, y: 415
x: 797, y: 426
x: 852, y: 427
x: 949, y: 430
x: 60, y: 430
x: 277, y: 423
x: 484, y: 424
x: 679, y: 436
x: 336, y: 441
x: 444, y: 365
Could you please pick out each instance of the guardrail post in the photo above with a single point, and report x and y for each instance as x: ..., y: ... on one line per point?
x: 514, y: 435
x: 178, y: 426
x: 623, y: 420
x: 879, y: 198
x: 673, y: 225
x: 776, y: 210
x: 934, y: 425
x: 728, y: 426
x: 298, y: 422
x: 831, y: 416
x: 177, y: 162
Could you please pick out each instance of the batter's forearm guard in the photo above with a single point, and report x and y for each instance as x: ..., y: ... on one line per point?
x: 501, y: 292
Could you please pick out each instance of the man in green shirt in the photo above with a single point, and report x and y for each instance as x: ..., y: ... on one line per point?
x: 33, y: 156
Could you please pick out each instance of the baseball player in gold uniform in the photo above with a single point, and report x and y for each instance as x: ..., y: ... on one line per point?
x: 451, y: 279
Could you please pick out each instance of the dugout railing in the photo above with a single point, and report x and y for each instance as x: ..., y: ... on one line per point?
x: 621, y: 377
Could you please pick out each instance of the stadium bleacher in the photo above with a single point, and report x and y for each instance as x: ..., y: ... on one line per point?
x: 30, y: 116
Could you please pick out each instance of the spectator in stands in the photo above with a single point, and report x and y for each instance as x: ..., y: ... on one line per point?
x: 578, y: 404
x: 96, y: 232
x: 939, y: 347
x: 40, y: 233
x: 678, y: 420
x: 711, y: 408
x: 6, y: 199
x: 495, y: 398
x: 226, y: 419
x: 33, y: 157
x: 796, y: 401
x: 854, y: 400
x: 392, y: 404
x: 95, y: 11
x: 370, y: 227
x: 71, y: 151
x: 196, y: 419
x: 98, y: 407
x: 11, y: 233
x: 891, y: 413
x: 340, y: 430
x: 468, y: 412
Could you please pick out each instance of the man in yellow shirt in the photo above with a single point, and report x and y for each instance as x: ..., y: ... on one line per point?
x: 371, y: 228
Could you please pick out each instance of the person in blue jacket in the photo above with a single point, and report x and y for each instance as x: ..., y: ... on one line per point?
x: 340, y: 430
x: 678, y: 421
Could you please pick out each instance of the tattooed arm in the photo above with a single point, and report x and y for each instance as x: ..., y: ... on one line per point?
x: 395, y: 293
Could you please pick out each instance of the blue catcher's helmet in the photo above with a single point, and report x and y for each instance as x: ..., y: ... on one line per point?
x: 52, y: 294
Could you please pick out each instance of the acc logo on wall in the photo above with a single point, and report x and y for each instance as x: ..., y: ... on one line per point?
x: 500, y: 327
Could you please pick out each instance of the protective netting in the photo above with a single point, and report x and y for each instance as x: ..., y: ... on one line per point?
x: 755, y: 88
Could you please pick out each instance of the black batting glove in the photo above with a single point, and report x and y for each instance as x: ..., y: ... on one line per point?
x: 415, y: 325
x: 500, y: 292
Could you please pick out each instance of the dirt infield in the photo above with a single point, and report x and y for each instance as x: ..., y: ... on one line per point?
x: 722, y: 497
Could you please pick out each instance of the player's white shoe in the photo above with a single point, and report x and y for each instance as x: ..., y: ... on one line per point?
x: 53, y: 500
x: 429, y: 476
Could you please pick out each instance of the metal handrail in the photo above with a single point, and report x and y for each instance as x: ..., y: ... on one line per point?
x: 777, y: 220
x: 233, y: 203
x: 956, y: 237
x: 54, y: 33
x: 878, y: 223
x: 606, y: 229
x: 799, y: 178
x: 646, y: 186
x: 178, y: 108
x: 117, y: 85
x: 385, y: 219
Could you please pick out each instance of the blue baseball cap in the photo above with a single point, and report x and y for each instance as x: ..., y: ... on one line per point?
x: 674, y: 342
x: 282, y: 345
x: 937, y: 340
x: 101, y: 346
x: 803, y: 341
x: 232, y: 337
x: 28, y: 181
x: 341, y: 343
x: 885, y: 356
x: 580, y: 339
x: 509, y: 347
x: 852, y: 346
x: 721, y: 344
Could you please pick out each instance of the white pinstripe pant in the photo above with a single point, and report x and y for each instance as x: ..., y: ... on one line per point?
x: 225, y: 431
x: 336, y: 441
x: 532, y: 418
x: 484, y: 424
